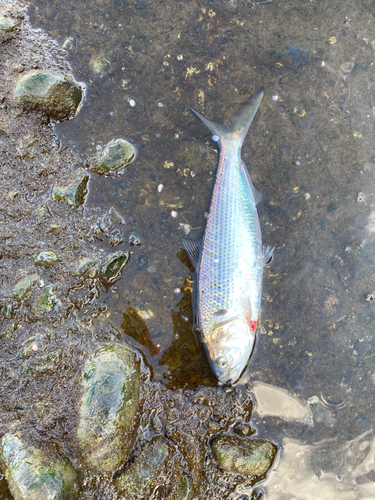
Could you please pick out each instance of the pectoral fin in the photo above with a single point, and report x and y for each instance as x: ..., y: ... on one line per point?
x: 267, y: 255
x: 192, y: 248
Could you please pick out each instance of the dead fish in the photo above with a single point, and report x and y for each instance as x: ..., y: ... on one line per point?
x: 229, y: 259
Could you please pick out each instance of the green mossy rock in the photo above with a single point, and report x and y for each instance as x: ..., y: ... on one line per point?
x: 144, y: 468
x: 48, y: 258
x: 72, y: 190
x: 117, y: 154
x: 7, y: 25
x: 48, y: 302
x: 243, y: 456
x: 24, y: 285
x: 50, y: 92
x: 111, y: 382
x: 31, y: 476
x: 113, y: 266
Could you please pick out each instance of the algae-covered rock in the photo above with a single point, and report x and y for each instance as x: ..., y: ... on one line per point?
x: 111, y: 381
x: 24, y: 285
x: 31, y: 476
x: 146, y: 465
x: 47, y: 302
x: 113, y: 266
x: 7, y: 26
x: 243, y: 456
x: 51, y: 92
x: 84, y: 265
x: 117, y: 154
x: 47, y: 258
x: 73, y: 189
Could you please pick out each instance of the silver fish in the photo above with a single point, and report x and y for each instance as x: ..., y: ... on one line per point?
x: 230, y: 258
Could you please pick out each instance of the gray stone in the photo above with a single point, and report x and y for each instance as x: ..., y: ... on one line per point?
x: 117, y: 154
x: 48, y: 258
x: 51, y: 92
x: 111, y: 382
x: 243, y: 456
x: 31, y: 476
x: 72, y: 190
x: 24, y: 285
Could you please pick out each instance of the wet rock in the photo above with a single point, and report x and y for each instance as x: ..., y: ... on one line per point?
x: 243, y: 456
x: 43, y: 212
x: 134, y: 240
x: 117, y: 154
x: 72, y: 190
x: 31, y: 476
x: 111, y: 381
x: 49, y: 362
x: 48, y: 302
x: 48, y: 258
x: 51, y: 92
x: 184, y: 488
x: 146, y: 465
x: 113, y: 266
x: 7, y: 26
x: 84, y: 265
x: 24, y: 285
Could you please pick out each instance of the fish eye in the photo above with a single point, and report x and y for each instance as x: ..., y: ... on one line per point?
x: 221, y: 362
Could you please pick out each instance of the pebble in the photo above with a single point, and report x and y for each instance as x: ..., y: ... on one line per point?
x: 112, y: 267
x: 47, y: 258
x: 72, y: 189
x: 243, y: 455
x: 115, y: 155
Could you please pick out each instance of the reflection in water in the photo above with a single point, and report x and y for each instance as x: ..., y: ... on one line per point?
x: 300, y: 474
x: 276, y: 402
x: 185, y: 357
x: 135, y: 326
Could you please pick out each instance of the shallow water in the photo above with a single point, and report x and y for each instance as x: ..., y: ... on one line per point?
x: 310, y: 153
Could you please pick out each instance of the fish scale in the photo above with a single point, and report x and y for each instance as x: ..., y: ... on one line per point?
x: 230, y: 260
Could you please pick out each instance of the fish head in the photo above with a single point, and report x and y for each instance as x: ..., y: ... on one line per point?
x: 229, y: 348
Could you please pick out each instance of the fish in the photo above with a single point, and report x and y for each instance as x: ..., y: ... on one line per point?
x: 229, y: 258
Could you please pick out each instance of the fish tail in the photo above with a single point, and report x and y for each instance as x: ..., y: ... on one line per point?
x: 241, y: 122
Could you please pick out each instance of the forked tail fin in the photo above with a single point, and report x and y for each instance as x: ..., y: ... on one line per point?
x: 241, y: 122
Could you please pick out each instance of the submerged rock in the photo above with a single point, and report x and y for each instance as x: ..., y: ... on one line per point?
x: 117, y: 154
x: 48, y: 258
x: 72, y: 190
x: 243, y: 456
x: 111, y: 382
x: 24, y: 285
x: 113, y: 266
x: 31, y: 476
x: 48, y: 91
x: 146, y: 465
